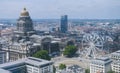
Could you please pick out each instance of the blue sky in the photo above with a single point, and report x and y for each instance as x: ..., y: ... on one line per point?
x: 49, y: 9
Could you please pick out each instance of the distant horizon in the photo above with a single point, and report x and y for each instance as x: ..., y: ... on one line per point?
x: 59, y: 19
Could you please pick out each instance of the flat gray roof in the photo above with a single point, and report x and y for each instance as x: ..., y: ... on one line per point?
x: 101, y: 60
x: 117, y: 53
x: 30, y: 60
x: 37, y: 61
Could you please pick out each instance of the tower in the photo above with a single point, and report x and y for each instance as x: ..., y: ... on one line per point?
x: 64, y: 24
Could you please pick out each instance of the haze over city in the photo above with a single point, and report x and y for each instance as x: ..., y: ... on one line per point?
x: 59, y: 36
x: 53, y: 9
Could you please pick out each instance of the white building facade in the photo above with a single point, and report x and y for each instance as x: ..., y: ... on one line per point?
x: 116, y: 66
x: 115, y: 56
x: 100, y: 65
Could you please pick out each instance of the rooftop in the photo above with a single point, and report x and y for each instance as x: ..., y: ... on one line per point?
x: 103, y: 58
x: 102, y: 61
x: 30, y: 60
x: 116, y: 63
x: 116, y: 53
x: 75, y: 68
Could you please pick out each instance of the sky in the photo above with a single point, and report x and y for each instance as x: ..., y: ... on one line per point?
x: 53, y: 9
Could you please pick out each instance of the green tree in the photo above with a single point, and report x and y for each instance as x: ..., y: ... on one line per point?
x: 70, y: 50
x: 43, y: 54
x: 110, y: 71
x: 62, y: 66
x: 87, y: 70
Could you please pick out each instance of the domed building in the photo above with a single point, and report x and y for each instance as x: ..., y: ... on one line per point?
x: 24, y: 23
x: 25, y: 41
x: 21, y: 45
x: 24, y: 27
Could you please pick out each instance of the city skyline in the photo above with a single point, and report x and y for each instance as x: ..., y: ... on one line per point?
x: 59, y: 36
x: 79, y: 9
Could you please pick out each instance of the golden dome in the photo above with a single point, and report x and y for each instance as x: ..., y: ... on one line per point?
x: 24, y: 12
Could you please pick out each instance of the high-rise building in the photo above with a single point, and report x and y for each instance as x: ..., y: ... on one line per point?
x: 100, y: 65
x: 27, y: 65
x: 64, y: 24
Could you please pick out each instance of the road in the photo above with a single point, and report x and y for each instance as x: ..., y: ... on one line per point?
x: 71, y: 61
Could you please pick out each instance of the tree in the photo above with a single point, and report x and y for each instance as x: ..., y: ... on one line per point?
x: 70, y: 50
x: 110, y: 71
x: 62, y: 66
x: 43, y: 54
x: 87, y: 70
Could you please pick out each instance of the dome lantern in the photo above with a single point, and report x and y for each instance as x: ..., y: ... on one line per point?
x: 24, y: 12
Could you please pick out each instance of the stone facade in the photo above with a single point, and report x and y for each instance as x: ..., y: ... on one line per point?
x: 21, y: 45
x: 25, y: 41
